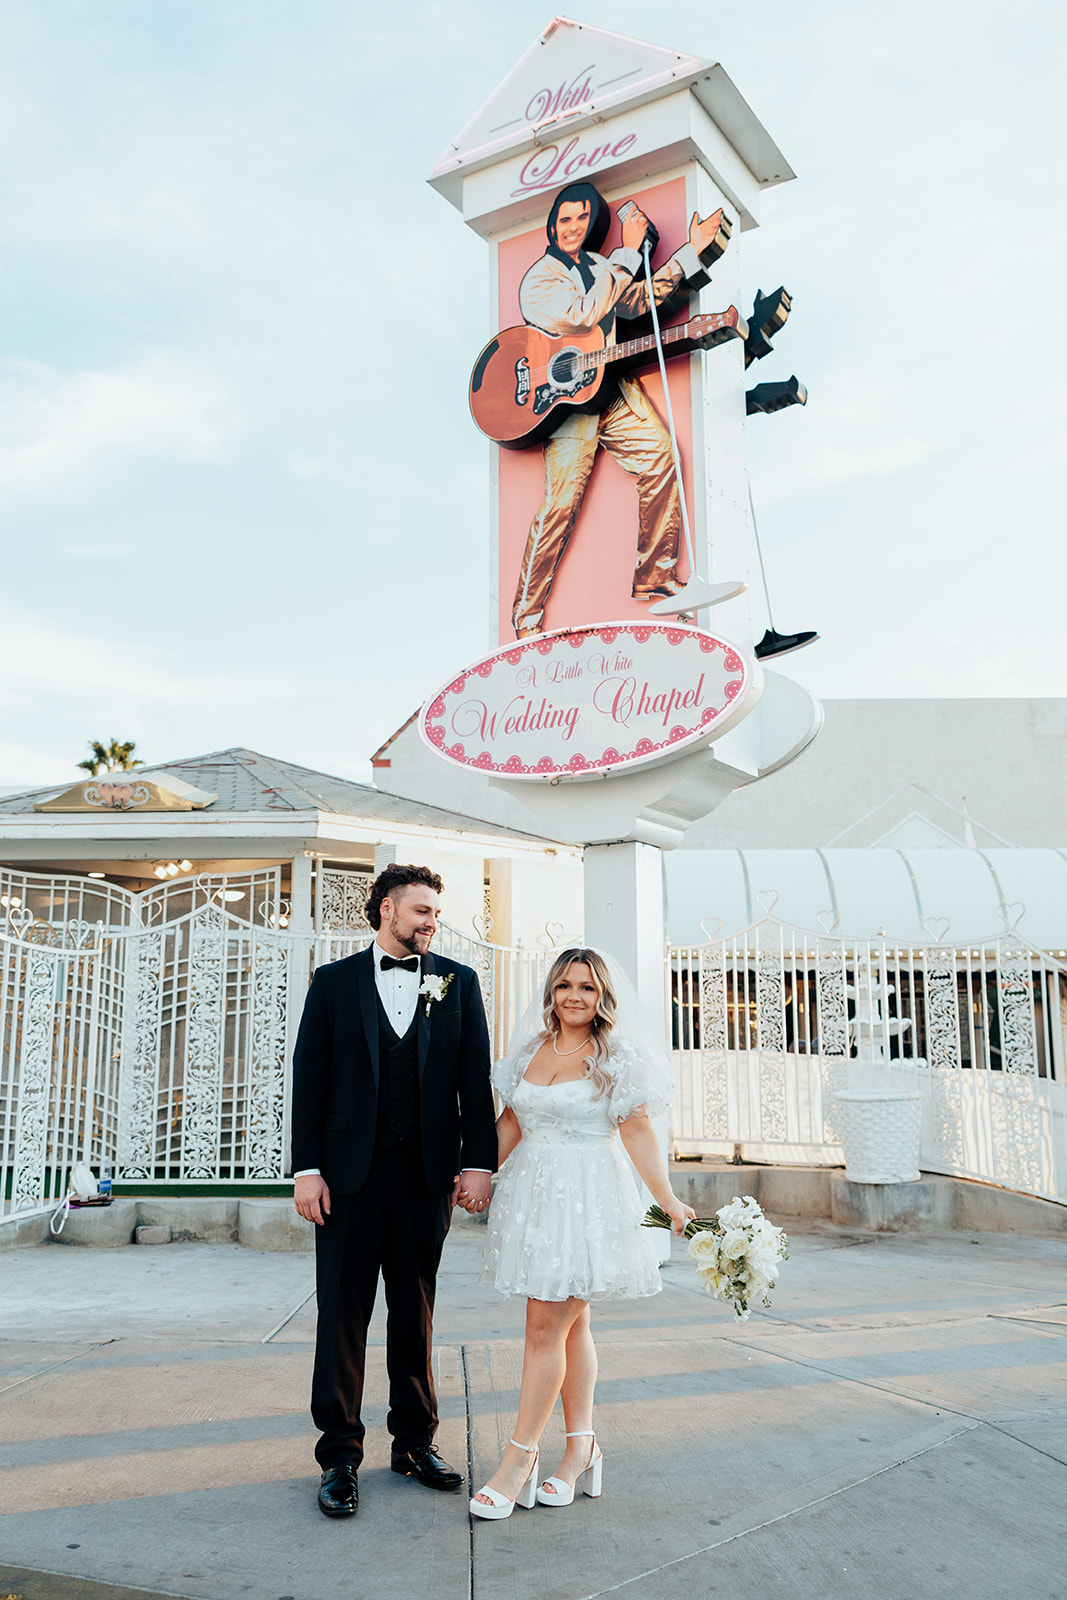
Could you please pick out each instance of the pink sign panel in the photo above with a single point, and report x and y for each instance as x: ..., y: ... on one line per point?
x: 594, y: 579
x: 591, y: 701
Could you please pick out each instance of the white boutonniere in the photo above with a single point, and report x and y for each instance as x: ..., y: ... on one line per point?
x: 435, y: 987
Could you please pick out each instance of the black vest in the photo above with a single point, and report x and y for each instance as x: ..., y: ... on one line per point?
x: 398, y: 1084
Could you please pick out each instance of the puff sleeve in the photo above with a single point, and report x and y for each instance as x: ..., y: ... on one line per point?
x: 508, y: 1072
x: 642, y: 1082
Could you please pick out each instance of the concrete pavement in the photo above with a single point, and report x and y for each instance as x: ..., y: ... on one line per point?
x: 895, y: 1428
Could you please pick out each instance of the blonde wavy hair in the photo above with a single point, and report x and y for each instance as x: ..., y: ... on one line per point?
x: 595, y: 1064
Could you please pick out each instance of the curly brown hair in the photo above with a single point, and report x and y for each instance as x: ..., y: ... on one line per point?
x: 396, y: 877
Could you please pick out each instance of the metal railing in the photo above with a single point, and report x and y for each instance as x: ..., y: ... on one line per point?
x: 152, y: 1035
x: 769, y: 1024
x: 156, y: 1042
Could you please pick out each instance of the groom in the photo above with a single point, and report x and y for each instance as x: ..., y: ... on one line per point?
x: 391, y: 1100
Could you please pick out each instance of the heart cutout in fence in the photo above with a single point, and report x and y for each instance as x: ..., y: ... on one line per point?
x: 483, y: 926
x: 1012, y: 914
x: 828, y: 921
x: 20, y: 918
x: 711, y: 927
x: 554, y: 934
x: 931, y: 925
x: 768, y: 899
x: 79, y: 931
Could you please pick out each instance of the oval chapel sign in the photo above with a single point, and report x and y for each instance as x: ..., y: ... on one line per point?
x: 590, y: 701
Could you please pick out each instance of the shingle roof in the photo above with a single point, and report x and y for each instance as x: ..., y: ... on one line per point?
x: 247, y: 781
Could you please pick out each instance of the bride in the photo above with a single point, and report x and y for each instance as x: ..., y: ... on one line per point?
x: 565, y: 1223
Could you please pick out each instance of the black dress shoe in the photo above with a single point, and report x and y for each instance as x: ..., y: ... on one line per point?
x: 780, y: 644
x: 339, y: 1492
x: 421, y: 1461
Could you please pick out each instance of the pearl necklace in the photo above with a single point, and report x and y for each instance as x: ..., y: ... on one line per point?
x: 573, y: 1052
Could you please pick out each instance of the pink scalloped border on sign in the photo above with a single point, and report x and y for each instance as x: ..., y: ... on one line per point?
x: 543, y: 644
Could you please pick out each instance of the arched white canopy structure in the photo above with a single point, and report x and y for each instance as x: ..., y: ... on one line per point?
x: 906, y: 893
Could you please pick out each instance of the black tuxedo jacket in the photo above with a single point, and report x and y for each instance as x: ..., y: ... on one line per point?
x: 335, y: 1076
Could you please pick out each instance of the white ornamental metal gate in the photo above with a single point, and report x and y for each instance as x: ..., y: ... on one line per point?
x: 155, y: 1041
x: 768, y: 1024
x: 152, y: 1034
x: 61, y: 998
x: 203, y: 1049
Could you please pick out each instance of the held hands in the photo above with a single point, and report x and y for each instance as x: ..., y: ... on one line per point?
x: 312, y: 1198
x: 473, y: 1191
x: 701, y: 234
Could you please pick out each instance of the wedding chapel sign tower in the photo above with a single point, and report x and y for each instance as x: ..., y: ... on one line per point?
x: 616, y: 722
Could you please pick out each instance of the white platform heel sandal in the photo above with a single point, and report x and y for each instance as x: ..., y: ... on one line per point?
x: 501, y: 1506
x: 562, y: 1492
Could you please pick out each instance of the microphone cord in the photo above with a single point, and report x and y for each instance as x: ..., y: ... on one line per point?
x: 669, y: 409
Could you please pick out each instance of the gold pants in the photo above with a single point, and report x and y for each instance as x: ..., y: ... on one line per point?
x: 630, y: 430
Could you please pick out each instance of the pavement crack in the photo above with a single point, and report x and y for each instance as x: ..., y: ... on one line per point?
x: 828, y: 1371
x: 1030, y: 1321
x: 470, y: 1467
x: 98, y: 1344
x: 998, y: 1427
x: 287, y: 1318
x: 743, y: 1533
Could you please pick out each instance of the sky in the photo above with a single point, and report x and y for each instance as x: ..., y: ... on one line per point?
x: 230, y: 300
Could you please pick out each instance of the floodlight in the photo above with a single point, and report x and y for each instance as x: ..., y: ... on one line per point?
x: 768, y: 397
x: 769, y: 315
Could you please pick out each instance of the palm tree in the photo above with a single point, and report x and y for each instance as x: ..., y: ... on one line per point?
x: 112, y: 757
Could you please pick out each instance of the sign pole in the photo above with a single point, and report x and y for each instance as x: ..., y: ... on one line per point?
x: 624, y: 915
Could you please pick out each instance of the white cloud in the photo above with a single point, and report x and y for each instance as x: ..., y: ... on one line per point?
x: 61, y: 432
x: 24, y: 767
x: 42, y: 661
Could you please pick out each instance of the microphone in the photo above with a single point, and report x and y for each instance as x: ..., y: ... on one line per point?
x: 651, y: 238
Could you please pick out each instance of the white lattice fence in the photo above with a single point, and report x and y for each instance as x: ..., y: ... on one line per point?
x: 61, y: 996
x: 769, y: 1024
x: 157, y: 1043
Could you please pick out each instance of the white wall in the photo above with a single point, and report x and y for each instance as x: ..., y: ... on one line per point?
x: 1007, y: 757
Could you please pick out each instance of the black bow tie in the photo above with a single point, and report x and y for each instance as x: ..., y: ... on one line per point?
x: 411, y: 964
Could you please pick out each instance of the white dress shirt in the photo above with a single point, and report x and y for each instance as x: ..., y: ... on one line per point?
x: 398, y: 991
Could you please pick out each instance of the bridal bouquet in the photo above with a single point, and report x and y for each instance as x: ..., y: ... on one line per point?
x: 737, y: 1251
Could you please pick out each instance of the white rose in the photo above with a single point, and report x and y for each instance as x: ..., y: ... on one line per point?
x: 704, y: 1246
x: 734, y: 1245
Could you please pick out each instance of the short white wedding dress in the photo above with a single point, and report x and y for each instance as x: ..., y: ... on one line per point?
x: 566, y: 1213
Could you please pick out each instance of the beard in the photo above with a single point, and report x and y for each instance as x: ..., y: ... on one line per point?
x: 410, y: 941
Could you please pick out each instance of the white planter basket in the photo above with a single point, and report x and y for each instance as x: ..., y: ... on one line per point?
x: 880, y: 1134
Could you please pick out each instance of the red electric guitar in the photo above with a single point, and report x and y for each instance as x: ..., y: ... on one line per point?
x: 525, y: 381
